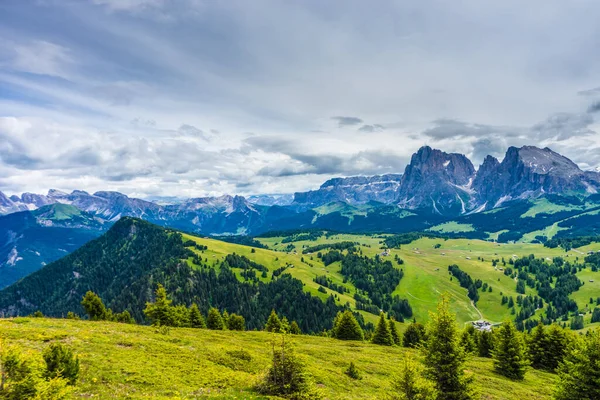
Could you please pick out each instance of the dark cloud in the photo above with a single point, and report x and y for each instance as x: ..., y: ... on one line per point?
x: 371, y: 128
x: 487, y: 146
x: 347, y: 121
x: 590, y: 92
x: 327, y: 163
x: 558, y: 126
x: 563, y: 126
x: 593, y: 108
x: 451, y: 129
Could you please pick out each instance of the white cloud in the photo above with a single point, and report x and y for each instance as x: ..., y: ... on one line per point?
x: 159, y: 97
x: 40, y: 57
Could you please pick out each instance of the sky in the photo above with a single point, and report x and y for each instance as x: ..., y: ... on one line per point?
x: 205, y: 97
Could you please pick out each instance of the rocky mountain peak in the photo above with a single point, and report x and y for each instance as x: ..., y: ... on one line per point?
x: 5, y: 201
x: 436, y: 180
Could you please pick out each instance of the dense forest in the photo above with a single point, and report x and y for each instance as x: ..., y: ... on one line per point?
x: 125, y: 265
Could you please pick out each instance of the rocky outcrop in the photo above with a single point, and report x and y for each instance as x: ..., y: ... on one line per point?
x: 437, y: 181
x: 528, y: 172
x: 353, y: 190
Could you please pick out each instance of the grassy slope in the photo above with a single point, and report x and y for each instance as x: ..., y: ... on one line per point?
x: 543, y: 205
x: 134, y: 362
x: 452, y: 227
x: 423, y: 282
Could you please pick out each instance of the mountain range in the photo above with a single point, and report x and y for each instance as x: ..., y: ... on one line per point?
x: 441, y: 183
x: 533, y: 194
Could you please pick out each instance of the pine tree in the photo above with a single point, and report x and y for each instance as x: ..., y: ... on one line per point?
x: 444, y: 357
x: 60, y: 362
x: 160, y: 312
x: 287, y: 375
x: 352, y: 371
x: 409, y: 384
x: 509, y: 355
x: 538, y: 347
x: 394, y: 332
x: 414, y: 335
x: 485, y: 344
x: 467, y: 339
x: 94, y: 307
x: 579, y: 375
x: 382, y: 333
x: 273, y: 323
x: 225, y: 317
x: 236, y: 323
x: 285, y: 325
x: 295, y: 329
x: 347, y: 328
x: 196, y: 318
x: 557, y: 346
x: 596, y: 315
x: 214, y: 320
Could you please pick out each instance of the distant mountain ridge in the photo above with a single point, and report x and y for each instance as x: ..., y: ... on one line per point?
x: 435, y: 182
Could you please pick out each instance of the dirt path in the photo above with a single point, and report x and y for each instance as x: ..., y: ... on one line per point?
x: 477, y: 309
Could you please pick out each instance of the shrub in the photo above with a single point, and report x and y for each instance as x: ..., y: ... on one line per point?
x: 287, y: 376
x: 352, y: 371
x: 236, y: 323
x: 60, y: 362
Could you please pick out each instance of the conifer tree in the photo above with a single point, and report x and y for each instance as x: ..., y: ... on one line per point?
x: 352, y: 371
x: 295, y: 329
x: 214, y: 320
x: 196, y: 318
x: 509, y: 355
x: 236, y: 323
x: 485, y: 344
x: 382, y: 333
x: 285, y: 325
x: 94, y: 307
x: 225, y: 317
x: 444, y: 357
x: 287, y: 375
x: 160, y: 312
x: 347, y: 328
x: 538, y: 347
x: 467, y: 339
x: 414, y: 335
x: 409, y: 383
x: 596, y: 315
x: 394, y: 332
x: 273, y: 323
x: 579, y: 375
x: 557, y: 346
x: 60, y: 362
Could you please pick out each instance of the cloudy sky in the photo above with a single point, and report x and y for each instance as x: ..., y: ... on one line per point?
x: 203, y: 97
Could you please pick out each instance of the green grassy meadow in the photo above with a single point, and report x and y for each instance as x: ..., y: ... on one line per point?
x: 120, y: 361
x: 425, y: 267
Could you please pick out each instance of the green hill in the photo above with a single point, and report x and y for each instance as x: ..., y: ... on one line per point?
x: 122, y: 361
x: 124, y: 265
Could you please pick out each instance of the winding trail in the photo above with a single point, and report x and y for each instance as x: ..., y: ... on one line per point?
x: 477, y: 309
